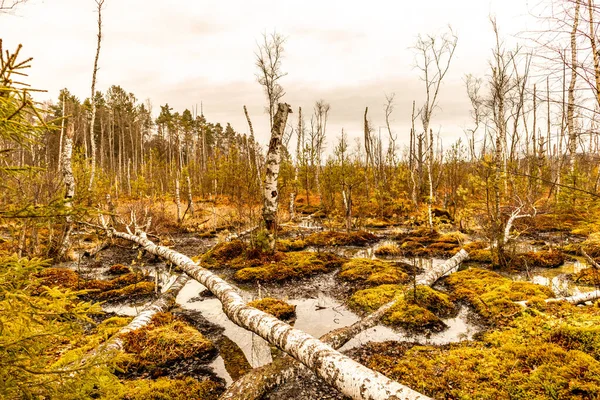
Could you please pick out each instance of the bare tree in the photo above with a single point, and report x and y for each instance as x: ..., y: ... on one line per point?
x: 268, y: 61
x: 99, y: 4
x: 434, y: 55
x: 10, y: 5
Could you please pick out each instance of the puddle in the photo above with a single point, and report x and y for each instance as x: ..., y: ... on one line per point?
x: 459, y: 328
x: 557, y: 278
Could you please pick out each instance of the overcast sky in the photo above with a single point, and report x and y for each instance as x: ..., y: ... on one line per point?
x: 348, y: 53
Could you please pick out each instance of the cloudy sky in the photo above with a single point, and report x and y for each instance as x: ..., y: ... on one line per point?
x: 348, y: 53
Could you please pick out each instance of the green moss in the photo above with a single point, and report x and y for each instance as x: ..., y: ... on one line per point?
x: 332, y: 238
x: 155, y: 346
x: 277, y: 308
x: 493, y: 295
x: 224, y: 252
x: 546, y: 354
x: 171, y: 389
x: 290, y: 245
x: 288, y: 266
x: 372, y: 271
x: 369, y: 300
x: 413, y: 311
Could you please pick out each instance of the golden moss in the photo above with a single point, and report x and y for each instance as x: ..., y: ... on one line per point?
x: 62, y: 277
x: 592, y: 245
x: 587, y: 276
x: 235, y: 360
x: 388, y: 249
x: 118, y: 269
x: 291, y: 245
x: 171, y: 389
x: 293, y: 265
x: 493, y: 295
x: 372, y: 271
x: 550, y: 353
x: 423, y: 242
x: 223, y: 252
x: 332, y: 238
x: 538, y: 259
x: 413, y: 311
x: 162, y: 345
x: 277, y: 308
x: 480, y: 256
x: 133, y: 290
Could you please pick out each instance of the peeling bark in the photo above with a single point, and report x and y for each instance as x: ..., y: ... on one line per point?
x: 346, y: 375
x: 578, y: 298
x: 271, y: 194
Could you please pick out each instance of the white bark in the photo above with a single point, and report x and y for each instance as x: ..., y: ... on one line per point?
x: 164, y: 303
x: 69, y: 181
x: 271, y: 194
x: 178, y: 200
x: 430, y: 277
x: 93, y: 98
x: 346, y: 375
x: 578, y: 298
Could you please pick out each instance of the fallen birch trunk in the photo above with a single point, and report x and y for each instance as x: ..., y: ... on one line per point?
x: 258, y: 382
x: 164, y: 303
x: 578, y: 298
x: 451, y: 265
x: 346, y: 375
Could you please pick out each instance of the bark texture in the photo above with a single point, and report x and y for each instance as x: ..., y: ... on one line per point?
x: 69, y: 182
x: 430, y: 277
x: 271, y: 194
x: 346, y: 375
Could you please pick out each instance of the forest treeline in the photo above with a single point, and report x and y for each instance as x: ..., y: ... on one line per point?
x: 531, y: 148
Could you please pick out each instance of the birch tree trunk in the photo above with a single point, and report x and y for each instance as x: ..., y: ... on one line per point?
x: 69, y: 181
x: 190, y: 195
x: 93, y: 98
x: 163, y: 304
x: 571, y: 92
x: 271, y: 193
x: 346, y: 375
x: 178, y: 200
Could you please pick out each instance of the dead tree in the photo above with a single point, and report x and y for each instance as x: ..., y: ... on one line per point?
x: 69, y: 182
x: 434, y: 56
x: 99, y: 4
x: 268, y: 61
x: 346, y: 375
x: 271, y: 193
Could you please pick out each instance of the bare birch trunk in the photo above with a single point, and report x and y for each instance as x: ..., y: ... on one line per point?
x: 271, y: 193
x: 163, y: 304
x: 347, y: 376
x: 93, y: 98
x: 69, y: 181
x: 189, y: 195
x: 178, y: 200
x: 571, y: 92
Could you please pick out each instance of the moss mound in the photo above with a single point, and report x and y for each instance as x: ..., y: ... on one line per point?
x: 62, y: 277
x: 493, y: 295
x: 426, y: 243
x: 480, y: 256
x: 538, y: 259
x: 162, y: 343
x: 277, y: 308
x: 223, y: 252
x: 420, y: 310
x: 171, y: 389
x: 587, y: 276
x: 118, y: 269
x: 546, y: 353
x: 291, y: 245
x: 372, y: 271
x: 332, y: 238
x: 388, y: 249
x: 289, y: 266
